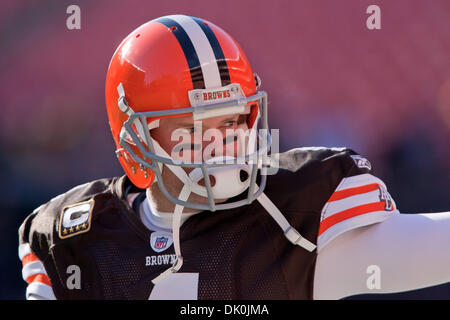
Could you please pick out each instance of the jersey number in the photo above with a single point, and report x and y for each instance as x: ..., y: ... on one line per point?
x: 176, y: 286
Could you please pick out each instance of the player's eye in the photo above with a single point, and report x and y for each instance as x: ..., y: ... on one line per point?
x: 230, y: 123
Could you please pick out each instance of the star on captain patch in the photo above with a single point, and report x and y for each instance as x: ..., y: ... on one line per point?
x: 75, y: 219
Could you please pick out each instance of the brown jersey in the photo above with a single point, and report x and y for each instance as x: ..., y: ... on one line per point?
x: 91, y: 231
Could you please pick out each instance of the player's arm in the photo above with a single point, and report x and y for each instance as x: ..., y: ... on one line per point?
x: 362, y: 235
x: 410, y: 251
x: 33, y: 272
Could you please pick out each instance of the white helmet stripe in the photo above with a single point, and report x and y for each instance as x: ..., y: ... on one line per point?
x: 202, y: 46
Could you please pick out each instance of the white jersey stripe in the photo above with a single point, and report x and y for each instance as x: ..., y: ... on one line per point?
x: 211, y: 74
x: 24, y: 249
x: 334, y: 207
x: 39, y: 291
x: 340, y: 205
x: 352, y: 223
x: 32, y: 268
x: 358, y: 181
x: 352, y: 201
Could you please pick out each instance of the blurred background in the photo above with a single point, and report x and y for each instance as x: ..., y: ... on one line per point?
x: 331, y: 82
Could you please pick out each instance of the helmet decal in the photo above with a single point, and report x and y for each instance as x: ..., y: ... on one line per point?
x: 218, y: 53
x: 202, y: 50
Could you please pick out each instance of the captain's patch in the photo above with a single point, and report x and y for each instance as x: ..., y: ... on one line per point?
x: 75, y: 219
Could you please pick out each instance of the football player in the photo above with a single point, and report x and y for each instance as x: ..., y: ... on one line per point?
x: 203, y: 211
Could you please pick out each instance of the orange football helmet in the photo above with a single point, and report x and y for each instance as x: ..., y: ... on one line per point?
x: 177, y: 66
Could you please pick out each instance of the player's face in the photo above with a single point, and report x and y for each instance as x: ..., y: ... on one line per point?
x: 198, y: 141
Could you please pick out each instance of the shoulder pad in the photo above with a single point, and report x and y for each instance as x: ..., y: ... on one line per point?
x: 308, y: 176
x: 299, y: 158
x: 64, y: 216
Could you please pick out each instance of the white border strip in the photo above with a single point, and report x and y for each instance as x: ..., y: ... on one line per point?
x: 356, y: 200
x: 32, y: 268
x: 359, y: 181
x: 352, y: 223
x: 24, y: 249
x: 39, y: 291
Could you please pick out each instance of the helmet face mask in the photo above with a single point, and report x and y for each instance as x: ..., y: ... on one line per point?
x: 178, y: 66
x: 219, y: 168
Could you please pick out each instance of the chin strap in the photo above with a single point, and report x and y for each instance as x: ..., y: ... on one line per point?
x: 291, y: 234
x: 176, y: 224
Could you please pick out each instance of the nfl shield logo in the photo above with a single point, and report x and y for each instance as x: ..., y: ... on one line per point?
x: 161, y: 242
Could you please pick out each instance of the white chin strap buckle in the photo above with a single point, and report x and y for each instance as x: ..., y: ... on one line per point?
x: 289, y: 232
x: 177, y: 265
x: 296, y: 238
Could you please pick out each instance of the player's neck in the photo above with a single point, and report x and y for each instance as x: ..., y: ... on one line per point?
x: 159, y: 202
x: 154, y: 212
